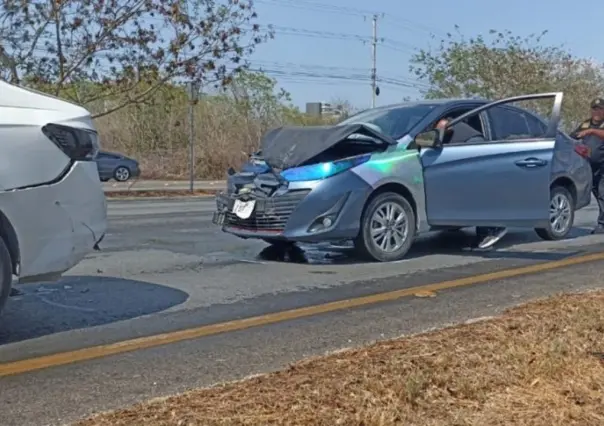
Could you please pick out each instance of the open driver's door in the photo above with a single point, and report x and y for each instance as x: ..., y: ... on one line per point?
x: 494, y: 183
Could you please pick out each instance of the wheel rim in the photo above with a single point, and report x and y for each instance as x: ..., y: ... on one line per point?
x: 559, y: 213
x: 389, y: 227
x: 122, y: 173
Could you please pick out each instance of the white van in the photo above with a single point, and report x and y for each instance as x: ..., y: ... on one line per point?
x: 52, y: 205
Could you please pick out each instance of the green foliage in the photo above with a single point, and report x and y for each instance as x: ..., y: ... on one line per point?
x: 503, y: 65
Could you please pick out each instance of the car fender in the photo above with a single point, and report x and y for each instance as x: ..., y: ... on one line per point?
x: 400, y: 172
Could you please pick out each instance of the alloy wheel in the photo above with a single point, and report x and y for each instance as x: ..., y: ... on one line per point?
x: 389, y: 227
x: 560, y: 213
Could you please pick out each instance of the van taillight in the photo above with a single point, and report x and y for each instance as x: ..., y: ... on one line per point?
x: 583, y: 150
x: 77, y: 144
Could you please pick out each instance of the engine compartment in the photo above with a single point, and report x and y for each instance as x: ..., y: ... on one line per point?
x: 346, y: 148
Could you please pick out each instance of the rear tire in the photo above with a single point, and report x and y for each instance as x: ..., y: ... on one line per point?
x: 399, y: 229
x: 562, y: 208
x: 6, y: 274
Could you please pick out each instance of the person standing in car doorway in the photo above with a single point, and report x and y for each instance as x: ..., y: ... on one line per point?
x: 464, y: 133
x: 591, y: 131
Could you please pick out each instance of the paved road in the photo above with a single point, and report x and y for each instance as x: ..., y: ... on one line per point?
x: 164, y: 185
x: 165, y: 267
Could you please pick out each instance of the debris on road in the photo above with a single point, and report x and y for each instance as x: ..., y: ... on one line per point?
x: 425, y: 293
x: 534, y: 365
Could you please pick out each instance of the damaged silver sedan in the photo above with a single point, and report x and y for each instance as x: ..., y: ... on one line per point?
x: 386, y: 175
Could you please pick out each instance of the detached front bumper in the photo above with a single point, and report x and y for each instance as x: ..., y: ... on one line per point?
x: 306, y: 212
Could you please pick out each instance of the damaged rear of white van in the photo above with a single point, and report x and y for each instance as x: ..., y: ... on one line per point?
x: 52, y: 206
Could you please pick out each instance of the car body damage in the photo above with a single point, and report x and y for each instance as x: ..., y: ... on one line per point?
x: 287, y: 147
x: 50, y: 194
x: 374, y: 178
x: 67, y: 222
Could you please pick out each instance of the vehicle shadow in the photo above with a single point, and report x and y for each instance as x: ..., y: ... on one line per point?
x: 462, y: 243
x: 77, y: 302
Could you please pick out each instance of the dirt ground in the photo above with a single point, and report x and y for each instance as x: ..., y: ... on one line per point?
x: 539, y: 364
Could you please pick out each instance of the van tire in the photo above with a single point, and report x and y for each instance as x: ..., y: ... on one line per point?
x: 6, y: 274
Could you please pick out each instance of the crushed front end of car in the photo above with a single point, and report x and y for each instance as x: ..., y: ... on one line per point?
x: 301, y: 186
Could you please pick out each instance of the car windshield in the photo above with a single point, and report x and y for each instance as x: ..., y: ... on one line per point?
x: 395, y: 122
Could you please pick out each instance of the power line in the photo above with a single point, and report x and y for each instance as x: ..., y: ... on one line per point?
x: 390, y: 19
x: 313, y: 72
x: 373, y: 41
x: 328, y: 75
x: 350, y: 72
x: 302, y: 32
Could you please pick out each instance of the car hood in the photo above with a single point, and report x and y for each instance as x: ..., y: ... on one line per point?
x: 287, y: 147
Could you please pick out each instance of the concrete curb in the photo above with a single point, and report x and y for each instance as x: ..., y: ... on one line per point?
x: 171, y: 198
x: 160, y: 194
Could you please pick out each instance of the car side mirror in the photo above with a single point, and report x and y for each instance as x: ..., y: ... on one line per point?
x: 430, y: 139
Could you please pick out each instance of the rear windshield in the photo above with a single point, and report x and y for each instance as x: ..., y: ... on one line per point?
x: 395, y: 122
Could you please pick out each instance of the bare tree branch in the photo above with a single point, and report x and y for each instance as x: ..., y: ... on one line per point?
x: 124, y: 50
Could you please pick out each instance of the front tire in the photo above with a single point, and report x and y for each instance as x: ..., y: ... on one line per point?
x: 6, y: 274
x: 387, y: 228
x: 562, y: 215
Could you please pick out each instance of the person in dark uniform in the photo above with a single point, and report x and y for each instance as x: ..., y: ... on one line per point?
x: 591, y: 131
x: 464, y: 133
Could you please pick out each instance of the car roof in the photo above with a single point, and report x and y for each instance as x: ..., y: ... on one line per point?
x: 435, y: 102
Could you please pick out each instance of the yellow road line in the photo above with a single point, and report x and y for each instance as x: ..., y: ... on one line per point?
x: 27, y: 365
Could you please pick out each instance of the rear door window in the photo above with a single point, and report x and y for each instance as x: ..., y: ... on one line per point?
x: 507, y: 123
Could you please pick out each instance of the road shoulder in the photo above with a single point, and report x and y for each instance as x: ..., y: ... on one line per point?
x: 540, y: 363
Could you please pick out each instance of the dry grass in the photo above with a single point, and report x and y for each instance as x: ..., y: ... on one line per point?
x: 157, y: 135
x: 535, y: 365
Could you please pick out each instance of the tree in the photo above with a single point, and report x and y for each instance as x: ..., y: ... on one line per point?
x: 343, y: 107
x: 124, y: 50
x: 257, y: 95
x: 509, y: 65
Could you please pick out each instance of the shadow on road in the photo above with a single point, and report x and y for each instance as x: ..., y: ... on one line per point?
x: 462, y: 243
x: 78, y: 302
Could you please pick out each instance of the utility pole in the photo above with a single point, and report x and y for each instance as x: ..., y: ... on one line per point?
x: 193, y: 92
x: 374, y: 42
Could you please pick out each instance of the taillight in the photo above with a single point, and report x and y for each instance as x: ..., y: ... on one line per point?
x: 77, y: 144
x: 583, y: 150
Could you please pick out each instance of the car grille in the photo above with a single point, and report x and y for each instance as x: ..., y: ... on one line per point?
x: 270, y: 214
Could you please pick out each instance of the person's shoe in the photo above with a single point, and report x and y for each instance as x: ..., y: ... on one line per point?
x: 598, y: 230
x: 491, y: 239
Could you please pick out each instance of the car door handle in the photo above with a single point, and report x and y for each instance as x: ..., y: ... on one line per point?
x: 531, y: 163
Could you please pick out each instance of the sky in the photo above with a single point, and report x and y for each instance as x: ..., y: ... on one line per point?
x: 321, y: 50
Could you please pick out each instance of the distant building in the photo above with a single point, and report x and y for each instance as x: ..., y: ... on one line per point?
x: 322, y: 109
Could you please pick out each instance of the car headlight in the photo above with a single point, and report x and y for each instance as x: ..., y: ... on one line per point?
x: 323, y: 170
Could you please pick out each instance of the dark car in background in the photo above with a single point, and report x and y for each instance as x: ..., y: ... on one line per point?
x: 112, y: 165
